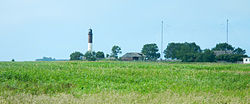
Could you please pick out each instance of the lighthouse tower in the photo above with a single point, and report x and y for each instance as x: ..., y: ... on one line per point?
x: 90, y: 40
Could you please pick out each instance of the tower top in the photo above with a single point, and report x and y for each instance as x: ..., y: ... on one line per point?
x: 90, y: 32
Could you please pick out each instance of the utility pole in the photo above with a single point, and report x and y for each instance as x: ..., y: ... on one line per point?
x: 227, y: 30
x: 161, y: 40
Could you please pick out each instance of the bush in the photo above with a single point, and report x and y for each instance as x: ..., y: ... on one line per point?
x: 90, y: 56
x: 206, y: 56
x: 230, y: 57
x: 76, y: 56
x: 100, y: 55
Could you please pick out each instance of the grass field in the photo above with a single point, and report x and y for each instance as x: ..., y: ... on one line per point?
x: 123, y: 82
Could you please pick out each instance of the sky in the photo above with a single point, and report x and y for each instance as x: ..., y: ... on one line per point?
x: 32, y: 29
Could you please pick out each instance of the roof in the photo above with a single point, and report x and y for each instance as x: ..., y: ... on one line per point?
x: 223, y: 52
x: 133, y: 54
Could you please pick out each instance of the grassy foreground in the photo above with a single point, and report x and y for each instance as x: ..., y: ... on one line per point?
x: 123, y: 82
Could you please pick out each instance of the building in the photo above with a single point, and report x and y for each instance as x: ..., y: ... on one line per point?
x: 51, y: 59
x: 246, y: 60
x: 132, y: 56
x: 217, y: 53
x: 90, y: 40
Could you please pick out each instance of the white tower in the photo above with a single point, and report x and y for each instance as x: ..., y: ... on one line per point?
x: 90, y: 40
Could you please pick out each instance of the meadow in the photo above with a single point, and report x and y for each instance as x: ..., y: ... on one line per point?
x: 123, y: 82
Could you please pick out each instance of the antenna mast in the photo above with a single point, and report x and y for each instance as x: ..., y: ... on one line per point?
x: 161, y: 40
x: 227, y: 30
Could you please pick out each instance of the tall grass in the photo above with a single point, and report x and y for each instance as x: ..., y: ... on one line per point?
x: 125, y: 78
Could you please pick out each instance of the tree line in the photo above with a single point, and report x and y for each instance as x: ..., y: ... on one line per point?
x: 92, y: 55
x: 191, y: 52
x: 185, y: 52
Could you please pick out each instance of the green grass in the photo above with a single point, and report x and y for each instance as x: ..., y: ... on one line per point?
x: 144, y: 80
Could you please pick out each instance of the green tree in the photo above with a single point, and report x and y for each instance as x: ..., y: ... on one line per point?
x: 90, y: 55
x: 206, y: 56
x: 239, y: 51
x: 107, y: 55
x: 115, y: 51
x: 13, y: 60
x: 172, y: 50
x: 76, y: 56
x: 188, y: 57
x: 151, y: 51
x: 230, y: 57
x: 100, y: 55
x: 186, y: 52
x: 237, y: 54
x: 223, y: 47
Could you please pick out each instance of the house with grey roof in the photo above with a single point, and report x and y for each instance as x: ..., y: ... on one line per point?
x: 132, y: 56
x: 217, y: 53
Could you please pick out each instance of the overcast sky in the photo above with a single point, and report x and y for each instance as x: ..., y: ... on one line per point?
x: 31, y: 29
